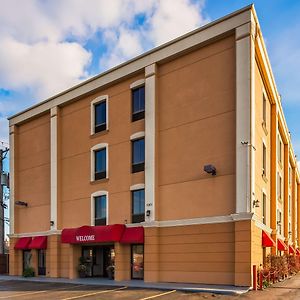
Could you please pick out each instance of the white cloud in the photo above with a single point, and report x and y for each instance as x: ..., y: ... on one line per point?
x: 46, y: 67
x: 3, y: 131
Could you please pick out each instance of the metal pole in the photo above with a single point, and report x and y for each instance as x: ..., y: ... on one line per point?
x: 1, y: 207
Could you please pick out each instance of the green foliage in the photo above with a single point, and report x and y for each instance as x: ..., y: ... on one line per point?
x: 28, y: 272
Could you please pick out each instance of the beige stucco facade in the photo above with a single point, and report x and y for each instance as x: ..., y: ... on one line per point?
x: 204, y: 95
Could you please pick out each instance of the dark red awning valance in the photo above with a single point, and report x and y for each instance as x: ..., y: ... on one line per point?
x: 267, y: 241
x: 297, y: 252
x: 281, y: 246
x: 23, y: 243
x: 93, y: 234
x: 292, y: 250
x: 133, y: 235
x: 38, y: 242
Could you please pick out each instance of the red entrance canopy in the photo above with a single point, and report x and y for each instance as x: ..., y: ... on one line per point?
x: 281, y: 246
x: 133, y: 235
x: 23, y: 243
x: 292, y: 250
x: 38, y: 242
x: 267, y: 241
x: 93, y: 234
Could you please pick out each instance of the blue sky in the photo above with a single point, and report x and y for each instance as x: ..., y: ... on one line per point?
x: 47, y: 46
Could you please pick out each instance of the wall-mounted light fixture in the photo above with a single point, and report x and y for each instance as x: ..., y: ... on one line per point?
x: 210, y: 169
x: 278, y: 222
x: 255, y: 203
x: 21, y: 203
x: 51, y: 223
x: 148, y: 212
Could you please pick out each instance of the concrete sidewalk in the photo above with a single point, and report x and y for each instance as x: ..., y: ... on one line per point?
x: 205, y: 288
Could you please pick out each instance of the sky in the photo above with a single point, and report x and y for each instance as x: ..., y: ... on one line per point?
x: 47, y: 46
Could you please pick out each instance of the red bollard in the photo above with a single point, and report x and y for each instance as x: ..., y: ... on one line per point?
x: 254, y: 278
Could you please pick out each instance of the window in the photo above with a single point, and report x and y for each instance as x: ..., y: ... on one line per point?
x: 264, y: 208
x: 100, y: 116
x: 279, y: 221
x: 290, y: 206
x: 100, y: 210
x: 138, y: 103
x: 279, y: 186
x: 137, y: 261
x: 264, y: 110
x: 290, y: 175
x: 138, y: 206
x: 264, y: 170
x: 138, y: 155
x: 100, y: 163
x: 279, y: 149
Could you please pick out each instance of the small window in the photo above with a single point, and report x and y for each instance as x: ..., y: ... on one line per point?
x: 100, y: 116
x: 138, y: 155
x: 264, y: 208
x: 290, y: 206
x: 279, y: 149
x: 100, y: 210
x: 138, y: 206
x: 264, y: 160
x: 138, y: 103
x: 279, y: 221
x: 264, y: 110
x: 290, y: 176
x: 100, y: 163
x: 279, y: 186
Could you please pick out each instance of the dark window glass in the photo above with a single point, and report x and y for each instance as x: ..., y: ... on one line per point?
x: 100, y: 164
x: 100, y: 210
x: 138, y: 206
x: 138, y: 155
x: 138, y: 103
x: 100, y: 116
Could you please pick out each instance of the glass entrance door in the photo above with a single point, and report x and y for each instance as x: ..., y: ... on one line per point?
x: 137, y: 261
x: 41, y: 262
x: 26, y: 259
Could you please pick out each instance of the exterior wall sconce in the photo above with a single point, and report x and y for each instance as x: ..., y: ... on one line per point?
x: 255, y: 203
x: 278, y: 222
x: 21, y: 203
x: 290, y: 233
x: 51, y: 223
x: 210, y: 169
x: 148, y: 212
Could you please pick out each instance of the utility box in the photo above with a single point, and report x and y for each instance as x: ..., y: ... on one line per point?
x: 4, y: 179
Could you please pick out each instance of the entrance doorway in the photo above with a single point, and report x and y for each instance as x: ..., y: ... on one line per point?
x: 97, y: 259
x: 41, y: 262
x: 26, y: 259
x: 137, y: 261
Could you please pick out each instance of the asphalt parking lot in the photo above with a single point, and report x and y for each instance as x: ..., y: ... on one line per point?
x: 13, y: 289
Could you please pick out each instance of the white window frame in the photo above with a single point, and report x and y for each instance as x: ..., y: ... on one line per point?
x: 93, y: 149
x: 264, y: 168
x: 93, y: 103
x: 98, y: 194
x: 136, y: 187
x: 137, y: 135
x: 137, y: 84
x: 264, y: 208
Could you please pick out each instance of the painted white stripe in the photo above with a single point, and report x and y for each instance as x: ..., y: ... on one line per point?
x: 39, y: 292
x: 159, y: 295
x: 95, y: 293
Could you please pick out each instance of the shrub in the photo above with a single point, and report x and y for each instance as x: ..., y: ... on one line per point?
x: 28, y: 272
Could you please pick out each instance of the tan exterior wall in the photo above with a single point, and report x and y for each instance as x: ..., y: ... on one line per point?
x: 196, y: 105
x: 33, y: 175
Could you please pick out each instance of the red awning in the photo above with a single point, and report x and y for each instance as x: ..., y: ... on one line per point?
x: 38, y: 242
x: 93, y: 234
x: 133, y: 235
x: 267, y: 241
x: 23, y: 243
x: 297, y: 252
x: 292, y: 250
x: 281, y: 246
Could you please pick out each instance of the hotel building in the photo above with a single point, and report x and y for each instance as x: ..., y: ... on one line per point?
x: 176, y: 166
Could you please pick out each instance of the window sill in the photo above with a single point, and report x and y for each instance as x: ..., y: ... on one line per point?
x: 99, y: 181
x: 100, y: 133
x: 264, y: 178
x: 264, y: 126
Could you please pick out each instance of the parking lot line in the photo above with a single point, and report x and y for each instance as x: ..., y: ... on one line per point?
x: 38, y: 292
x: 95, y: 293
x: 158, y: 295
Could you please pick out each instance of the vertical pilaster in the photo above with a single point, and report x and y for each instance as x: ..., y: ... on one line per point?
x: 273, y: 192
x: 286, y: 192
x: 245, y: 117
x: 74, y: 255
x: 293, y: 221
x: 12, y: 174
x: 53, y: 256
x: 54, y: 167
x: 150, y: 143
